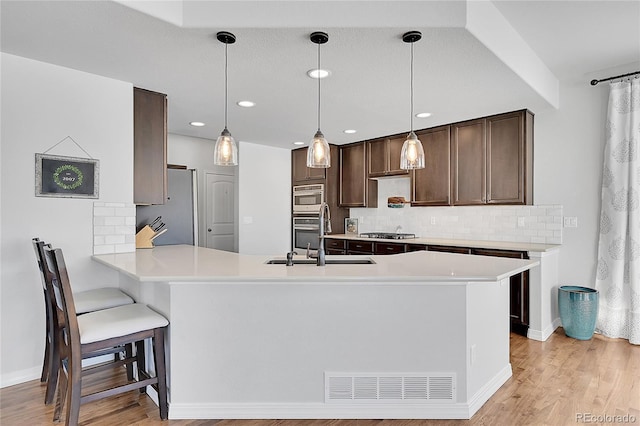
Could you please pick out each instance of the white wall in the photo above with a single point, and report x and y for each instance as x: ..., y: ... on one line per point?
x: 265, y: 200
x: 41, y: 105
x: 568, y: 153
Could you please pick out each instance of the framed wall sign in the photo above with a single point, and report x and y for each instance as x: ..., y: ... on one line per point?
x: 70, y: 177
x: 351, y: 226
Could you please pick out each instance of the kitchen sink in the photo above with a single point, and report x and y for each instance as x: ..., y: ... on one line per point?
x: 334, y: 261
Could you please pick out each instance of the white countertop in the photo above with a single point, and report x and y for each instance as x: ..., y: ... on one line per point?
x: 498, y: 245
x: 184, y: 263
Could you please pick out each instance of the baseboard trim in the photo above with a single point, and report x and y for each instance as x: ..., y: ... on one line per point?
x: 317, y: 411
x: 21, y: 376
x: 477, y: 401
x: 346, y: 410
x: 542, y: 335
x: 33, y: 373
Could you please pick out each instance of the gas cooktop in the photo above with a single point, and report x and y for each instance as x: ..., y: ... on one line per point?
x: 387, y: 235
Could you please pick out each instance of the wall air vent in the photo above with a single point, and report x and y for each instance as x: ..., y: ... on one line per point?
x: 391, y: 387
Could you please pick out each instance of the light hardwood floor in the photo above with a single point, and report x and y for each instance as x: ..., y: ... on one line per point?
x: 554, y: 383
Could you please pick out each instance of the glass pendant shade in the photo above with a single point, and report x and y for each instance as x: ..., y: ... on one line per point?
x: 319, y: 153
x: 226, y: 150
x: 412, y: 154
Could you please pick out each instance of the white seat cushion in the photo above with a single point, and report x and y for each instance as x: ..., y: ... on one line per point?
x: 118, y: 321
x: 100, y: 298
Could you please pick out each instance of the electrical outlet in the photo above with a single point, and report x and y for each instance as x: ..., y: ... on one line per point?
x: 433, y: 220
x: 570, y: 222
x: 472, y: 355
x: 521, y: 222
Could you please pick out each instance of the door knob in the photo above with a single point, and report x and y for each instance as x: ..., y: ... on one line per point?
x: 209, y: 230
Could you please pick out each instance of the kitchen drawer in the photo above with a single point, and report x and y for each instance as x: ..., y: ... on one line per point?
x: 361, y: 247
x: 389, y: 248
x: 500, y: 253
x: 416, y: 247
x: 334, y: 244
x: 449, y: 249
x: 335, y: 251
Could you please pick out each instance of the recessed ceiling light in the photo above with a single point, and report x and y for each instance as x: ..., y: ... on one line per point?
x: 350, y: 131
x: 246, y: 104
x: 423, y: 114
x: 298, y: 143
x: 197, y: 123
x: 318, y: 73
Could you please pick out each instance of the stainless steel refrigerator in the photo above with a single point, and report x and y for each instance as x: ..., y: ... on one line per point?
x: 179, y: 214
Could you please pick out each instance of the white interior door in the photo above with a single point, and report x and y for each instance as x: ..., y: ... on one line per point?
x: 220, y: 217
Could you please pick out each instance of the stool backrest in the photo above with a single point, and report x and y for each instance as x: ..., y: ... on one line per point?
x: 63, y: 296
x: 45, y: 275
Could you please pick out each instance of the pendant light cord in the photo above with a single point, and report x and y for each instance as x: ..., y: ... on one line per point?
x: 411, y: 85
x: 318, y: 70
x: 226, y: 46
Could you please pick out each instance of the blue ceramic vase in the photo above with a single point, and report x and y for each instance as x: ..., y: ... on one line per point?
x: 578, y: 311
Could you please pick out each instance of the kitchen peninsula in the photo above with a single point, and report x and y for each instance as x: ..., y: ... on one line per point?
x: 415, y: 335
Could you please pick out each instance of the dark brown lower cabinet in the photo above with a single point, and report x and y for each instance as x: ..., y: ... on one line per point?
x: 518, y: 286
x: 334, y: 246
x: 416, y: 247
x: 449, y: 249
x: 389, y: 248
x: 518, y: 290
x: 359, y: 247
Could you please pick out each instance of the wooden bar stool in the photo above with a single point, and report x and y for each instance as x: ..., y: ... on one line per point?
x: 86, y: 301
x: 98, y: 331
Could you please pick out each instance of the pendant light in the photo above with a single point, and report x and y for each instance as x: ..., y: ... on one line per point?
x: 412, y: 154
x: 318, y: 154
x: 226, y: 150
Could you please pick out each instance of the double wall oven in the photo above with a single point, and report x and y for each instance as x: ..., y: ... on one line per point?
x: 306, y: 201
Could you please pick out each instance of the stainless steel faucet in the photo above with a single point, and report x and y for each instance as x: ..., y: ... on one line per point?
x: 290, y: 258
x: 325, y: 228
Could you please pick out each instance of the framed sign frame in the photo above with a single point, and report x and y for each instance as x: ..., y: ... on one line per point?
x: 67, y: 177
x: 351, y: 226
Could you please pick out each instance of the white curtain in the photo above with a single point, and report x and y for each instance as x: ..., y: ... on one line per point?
x: 618, y: 272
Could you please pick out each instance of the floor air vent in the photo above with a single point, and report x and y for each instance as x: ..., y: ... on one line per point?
x: 421, y: 387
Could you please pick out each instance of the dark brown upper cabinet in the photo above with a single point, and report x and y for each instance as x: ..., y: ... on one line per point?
x: 492, y: 160
x: 300, y: 173
x: 510, y: 158
x: 431, y: 186
x: 149, y: 147
x: 383, y: 157
x: 356, y: 190
x: 468, y: 165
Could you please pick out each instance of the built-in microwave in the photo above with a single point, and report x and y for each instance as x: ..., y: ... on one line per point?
x: 307, y: 198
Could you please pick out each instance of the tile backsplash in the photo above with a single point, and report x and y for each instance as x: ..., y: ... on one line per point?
x: 528, y: 224
x: 114, y: 228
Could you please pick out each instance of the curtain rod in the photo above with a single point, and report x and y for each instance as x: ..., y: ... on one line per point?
x: 594, y: 81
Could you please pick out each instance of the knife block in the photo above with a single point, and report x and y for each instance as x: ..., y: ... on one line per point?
x: 144, y: 237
